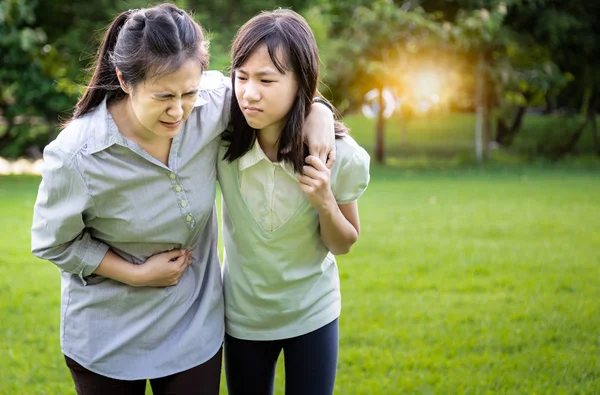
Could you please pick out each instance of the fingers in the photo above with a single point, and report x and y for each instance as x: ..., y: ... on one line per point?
x: 318, y: 154
x: 316, y: 162
x: 311, y: 172
x: 180, y: 260
x: 322, y: 156
x: 184, y: 261
x: 174, y: 254
x: 331, y: 158
x: 304, y: 180
x: 307, y: 189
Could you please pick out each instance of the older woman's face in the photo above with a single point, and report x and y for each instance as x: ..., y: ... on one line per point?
x: 162, y: 105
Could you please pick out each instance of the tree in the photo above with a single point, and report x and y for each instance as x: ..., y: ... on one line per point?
x: 570, y: 31
x: 24, y: 81
x: 372, y: 52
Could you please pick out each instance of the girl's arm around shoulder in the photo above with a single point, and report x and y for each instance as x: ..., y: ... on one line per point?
x: 335, y: 193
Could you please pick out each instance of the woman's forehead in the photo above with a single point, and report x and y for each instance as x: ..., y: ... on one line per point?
x: 186, y: 76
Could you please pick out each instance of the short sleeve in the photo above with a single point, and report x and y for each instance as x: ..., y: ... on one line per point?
x: 58, y: 233
x: 213, y: 105
x: 352, y: 177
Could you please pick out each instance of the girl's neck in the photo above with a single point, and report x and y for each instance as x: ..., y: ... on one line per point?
x: 268, y: 139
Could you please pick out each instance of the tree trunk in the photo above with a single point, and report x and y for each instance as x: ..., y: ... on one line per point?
x: 518, y: 121
x: 487, y: 123
x: 479, y: 108
x: 501, y: 130
x: 379, y: 155
x: 595, y: 136
x: 590, y: 117
x: 550, y: 104
x: 506, y: 135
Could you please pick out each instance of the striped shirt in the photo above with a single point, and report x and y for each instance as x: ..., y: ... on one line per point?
x: 99, y: 191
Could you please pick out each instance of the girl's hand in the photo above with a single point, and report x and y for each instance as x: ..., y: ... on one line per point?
x: 164, y: 269
x: 315, y: 183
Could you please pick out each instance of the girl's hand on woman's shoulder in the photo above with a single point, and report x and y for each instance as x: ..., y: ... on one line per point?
x: 315, y: 182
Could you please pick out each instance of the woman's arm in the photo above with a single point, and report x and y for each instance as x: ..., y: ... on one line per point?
x: 58, y: 232
x: 319, y: 133
x: 160, y: 270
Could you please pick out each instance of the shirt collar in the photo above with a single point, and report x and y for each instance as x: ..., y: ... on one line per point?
x: 256, y: 154
x: 105, y: 131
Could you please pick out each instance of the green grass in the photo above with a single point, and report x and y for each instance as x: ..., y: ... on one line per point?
x: 464, y: 281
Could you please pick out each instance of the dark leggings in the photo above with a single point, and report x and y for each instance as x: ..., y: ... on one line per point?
x: 200, y: 380
x: 310, y: 363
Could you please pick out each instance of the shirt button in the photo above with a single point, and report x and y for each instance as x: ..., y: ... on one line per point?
x: 178, y: 188
x: 172, y: 176
x: 183, y: 204
x: 189, y: 218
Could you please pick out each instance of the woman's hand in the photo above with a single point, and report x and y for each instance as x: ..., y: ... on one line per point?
x: 164, y: 269
x: 319, y: 133
x: 315, y: 183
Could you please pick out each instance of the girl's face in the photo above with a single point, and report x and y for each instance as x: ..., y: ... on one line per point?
x: 264, y: 95
x: 160, y: 106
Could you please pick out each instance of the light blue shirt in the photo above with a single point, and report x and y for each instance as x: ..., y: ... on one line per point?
x: 100, y: 191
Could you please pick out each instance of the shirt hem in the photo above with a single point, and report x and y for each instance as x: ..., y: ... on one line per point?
x: 283, y: 334
x: 150, y: 376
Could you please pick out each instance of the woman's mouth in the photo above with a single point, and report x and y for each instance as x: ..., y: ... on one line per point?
x: 171, y: 125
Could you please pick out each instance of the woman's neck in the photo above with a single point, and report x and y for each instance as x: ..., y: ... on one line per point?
x: 131, y: 129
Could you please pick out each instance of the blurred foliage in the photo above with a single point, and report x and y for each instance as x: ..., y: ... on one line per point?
x: 538, y: 53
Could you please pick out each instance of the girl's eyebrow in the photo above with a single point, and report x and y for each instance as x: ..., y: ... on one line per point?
x: 258, y: 73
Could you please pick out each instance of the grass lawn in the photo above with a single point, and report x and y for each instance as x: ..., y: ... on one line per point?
x: 464, y: 281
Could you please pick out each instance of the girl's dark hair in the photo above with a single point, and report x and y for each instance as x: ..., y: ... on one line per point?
x: 283, y: 32
x: 145, y: 43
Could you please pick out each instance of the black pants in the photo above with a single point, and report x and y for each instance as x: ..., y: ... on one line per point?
x: 201, y: 380
x: 310, y: 363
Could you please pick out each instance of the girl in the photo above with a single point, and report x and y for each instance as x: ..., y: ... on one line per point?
x: 285, y: 215
x: 126, y: 211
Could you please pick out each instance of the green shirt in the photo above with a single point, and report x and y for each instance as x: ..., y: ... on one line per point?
x: 283, y: 283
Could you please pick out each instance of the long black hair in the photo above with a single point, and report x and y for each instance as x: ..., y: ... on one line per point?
x: 282, y: 32
x: 142, y: 44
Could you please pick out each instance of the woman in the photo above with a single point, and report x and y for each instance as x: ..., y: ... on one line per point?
x: 126, y: 211
x: 284, y: 215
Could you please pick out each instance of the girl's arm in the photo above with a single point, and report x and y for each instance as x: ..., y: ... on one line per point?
x: 340, y: 224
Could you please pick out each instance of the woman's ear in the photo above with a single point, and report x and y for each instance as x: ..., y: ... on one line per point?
x: 122, y: 82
